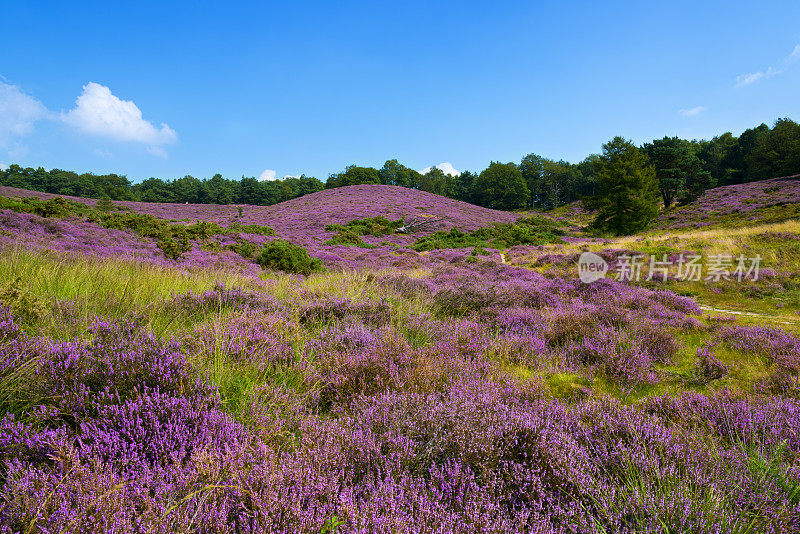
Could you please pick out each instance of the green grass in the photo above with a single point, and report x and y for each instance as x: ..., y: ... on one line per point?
x: 104, y: 287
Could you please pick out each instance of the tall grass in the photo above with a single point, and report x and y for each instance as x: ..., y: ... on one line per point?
x: 105, y: 287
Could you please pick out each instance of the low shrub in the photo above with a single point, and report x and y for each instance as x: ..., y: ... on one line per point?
x: 281, y: 255
x: 245, y: 249
x: 105, y: 205
x: 374, y: 226
x: 499, y: 235
x: 54, y: 207
x: 174, y: 245
x: 708, y: 366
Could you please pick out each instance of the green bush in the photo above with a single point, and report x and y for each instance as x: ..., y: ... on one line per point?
x: 174, y: 243
x: 105, y: 205
x: 347, y: 237
x: 141, y: 223
x: 246, y: 249
x: 55, y: 207
x: 374, y: 226
x: 281, y: 255
x: 500, y: 235
x: 453, y: 238
x: 203, y: 230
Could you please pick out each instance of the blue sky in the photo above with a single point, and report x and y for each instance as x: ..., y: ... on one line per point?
x: 173, y: 88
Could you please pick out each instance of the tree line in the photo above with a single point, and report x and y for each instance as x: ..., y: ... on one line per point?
x: 682, y: 168
x: 214, y: 190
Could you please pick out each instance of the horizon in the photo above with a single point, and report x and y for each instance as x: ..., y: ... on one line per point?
x: 270, y: 91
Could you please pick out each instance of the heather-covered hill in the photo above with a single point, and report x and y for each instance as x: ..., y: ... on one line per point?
x: 767, y: 201
x: 301, y: 221
x: 308, y: 215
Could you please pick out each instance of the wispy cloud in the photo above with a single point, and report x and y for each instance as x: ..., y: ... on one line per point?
x: 747, y: 79
x: 18, y: 114
x: 769, y: 72
x: 691, y: 112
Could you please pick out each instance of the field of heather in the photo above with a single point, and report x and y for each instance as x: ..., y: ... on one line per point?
x: 159, y: 374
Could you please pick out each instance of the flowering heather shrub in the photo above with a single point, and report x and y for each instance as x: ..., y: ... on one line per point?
x: 344, y: 337
x: 372, y: 313
x: 768, y: 421
x: 709, y: 367
x: 775, y: 345
x: 119, y: 360
x: 614, y: 352
x: 217, y: 299
x: 465, y: 298
x: 752, y: 201
x: 779, y: 382
x: 467, y: 448
x: 257, y: 339
x: 400, y: 283
x: 379, y: 366
x: 9, y: 329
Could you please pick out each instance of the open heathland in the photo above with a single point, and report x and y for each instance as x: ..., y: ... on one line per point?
x: 379, y: 359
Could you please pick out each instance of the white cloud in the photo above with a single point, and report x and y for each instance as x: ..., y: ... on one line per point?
x: 103, y: 153
x: 3, y: 166
x: 99, y: 112
x: 752, y: 77
x: 747, y: 79
x: 691, y: 112
x: 18, y: 113
x: 445, y: 167
x: 290, y: 176
x: 267, y: 176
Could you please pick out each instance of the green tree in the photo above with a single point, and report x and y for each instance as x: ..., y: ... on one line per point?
x: 676, y: 166
x: 395, y: 173
x: 627, y: 197
x: 501, y: 186
x: 776, y: 153
x: 437, y: 182
x: 353, y: 175
x: 219, y: 190
x: 464, y: 186
x: 532, y: 168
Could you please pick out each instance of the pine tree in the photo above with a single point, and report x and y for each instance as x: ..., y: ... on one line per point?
x: 627, y: 190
